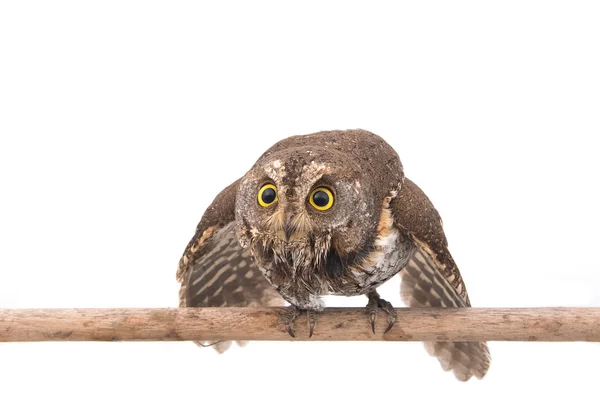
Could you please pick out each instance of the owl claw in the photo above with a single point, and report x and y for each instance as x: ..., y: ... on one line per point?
x: 375, y: 303
x: 391, y: 321
x: 290, y: 330
x: 389, y: 309
x: 372, y: 306
x: 312, y: 321
x: 372, y: 314
x: 288, y: 319
x: 290, y: 316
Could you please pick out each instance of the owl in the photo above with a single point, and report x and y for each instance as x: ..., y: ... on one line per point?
x: 330, y: 213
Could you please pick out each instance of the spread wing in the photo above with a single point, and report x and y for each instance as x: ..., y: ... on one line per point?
x: 215, y: 271
x: 432, y: 279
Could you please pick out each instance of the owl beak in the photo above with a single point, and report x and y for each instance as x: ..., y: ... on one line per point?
x: 288, y: 229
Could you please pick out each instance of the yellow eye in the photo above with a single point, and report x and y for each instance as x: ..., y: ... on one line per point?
x: 267, y: 195
x: 321, y: 199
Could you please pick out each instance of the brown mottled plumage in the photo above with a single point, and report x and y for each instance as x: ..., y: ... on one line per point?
x: 245, y: 253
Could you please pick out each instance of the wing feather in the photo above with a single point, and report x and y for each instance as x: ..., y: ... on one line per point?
x: 432, y: 279
x: 215, y: 271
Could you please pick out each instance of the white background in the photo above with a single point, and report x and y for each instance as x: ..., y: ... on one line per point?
x: 120, y: 121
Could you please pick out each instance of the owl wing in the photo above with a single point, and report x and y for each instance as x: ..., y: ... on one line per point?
x: 215, y: 271
x: 432, y: 279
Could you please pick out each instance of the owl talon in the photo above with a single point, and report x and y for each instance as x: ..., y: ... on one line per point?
x: 375, y: 303
x: 372, y: 308
x: 391, y: 320
x: 389, y: 327
x: 289, y: 317
x: 290, y: 328
x: 312, y: 322
x: 389, y: 309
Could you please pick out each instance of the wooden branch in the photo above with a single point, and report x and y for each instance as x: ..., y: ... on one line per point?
x: 413, y: 324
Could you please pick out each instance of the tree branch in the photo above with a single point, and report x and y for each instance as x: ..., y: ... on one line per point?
x: 413, y: 324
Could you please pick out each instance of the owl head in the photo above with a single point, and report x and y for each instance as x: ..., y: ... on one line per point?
x: 307, y: 204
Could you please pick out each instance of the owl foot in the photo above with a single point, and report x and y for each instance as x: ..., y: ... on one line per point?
x: 375, y: 303
x: 292, y: 313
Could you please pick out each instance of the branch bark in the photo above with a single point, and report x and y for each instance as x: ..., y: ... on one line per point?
x: 413, y: 324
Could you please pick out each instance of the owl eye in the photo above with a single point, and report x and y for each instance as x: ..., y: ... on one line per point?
x: 321, y: 199
x: 267, y: 195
